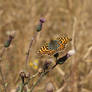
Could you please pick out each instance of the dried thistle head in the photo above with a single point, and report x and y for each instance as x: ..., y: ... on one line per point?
x: 46, y: 65
x: 27, y: 75
x: 49, y: 87
x: 22, y: 74
x: 71, y: 52
x: 40, y: 70
x: 11, y: 32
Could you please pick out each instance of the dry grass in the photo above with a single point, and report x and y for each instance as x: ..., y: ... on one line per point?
x: 22, y: 17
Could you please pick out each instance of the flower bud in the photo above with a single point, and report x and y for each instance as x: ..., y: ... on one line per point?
x: 8, y: 42
x: 39, y: 26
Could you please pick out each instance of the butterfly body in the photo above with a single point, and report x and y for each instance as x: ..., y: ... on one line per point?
x: 53, y: 45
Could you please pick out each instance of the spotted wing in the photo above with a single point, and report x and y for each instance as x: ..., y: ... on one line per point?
x: 44, y: 50
x: 63, y: 41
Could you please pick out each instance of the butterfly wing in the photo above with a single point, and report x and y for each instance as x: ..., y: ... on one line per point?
x: 63, y: 41
x: 44, y: 50
x: 61, y: 46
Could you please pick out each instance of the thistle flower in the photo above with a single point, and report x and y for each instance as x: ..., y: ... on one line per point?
x: 42, y: 20
x: 64, y: 58
x: 46, y: 65
x: 39, y: 26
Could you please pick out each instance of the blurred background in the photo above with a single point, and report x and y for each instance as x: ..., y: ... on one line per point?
x: 62, y: 16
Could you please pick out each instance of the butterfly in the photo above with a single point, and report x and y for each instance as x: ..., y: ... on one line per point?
x: 55, y: 46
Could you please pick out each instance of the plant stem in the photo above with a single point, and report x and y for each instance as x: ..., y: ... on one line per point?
x: 3, y: 80
x: 3, y: 50
x: 30, y: 45
x: 40, y: 78
x: 42, y: 75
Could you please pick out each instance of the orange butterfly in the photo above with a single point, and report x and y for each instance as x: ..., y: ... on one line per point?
x: 55, y: 46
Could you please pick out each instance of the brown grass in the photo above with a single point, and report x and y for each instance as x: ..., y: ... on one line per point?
x: 22, y: 16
